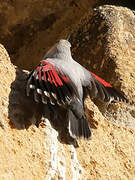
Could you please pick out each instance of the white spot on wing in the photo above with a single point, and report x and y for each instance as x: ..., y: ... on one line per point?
x: 45, y: 92
x: 32, y: 86
x: 54, y: 95
x: 39, y: 91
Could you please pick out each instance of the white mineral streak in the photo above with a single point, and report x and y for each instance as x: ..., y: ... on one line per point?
x: 62, y: 168
x: 57, y: 165
x: 77, y: 170
x: 51, y: 138
x: 56, y: 161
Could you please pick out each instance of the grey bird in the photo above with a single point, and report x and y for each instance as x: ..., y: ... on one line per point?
x: 59, y: 79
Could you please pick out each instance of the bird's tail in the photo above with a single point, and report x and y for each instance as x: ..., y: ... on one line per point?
x: 78, y: 127
x: 78, y: 124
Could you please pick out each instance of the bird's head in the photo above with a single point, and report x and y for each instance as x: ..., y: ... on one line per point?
x: 60, y: 50
x: 63, y: 45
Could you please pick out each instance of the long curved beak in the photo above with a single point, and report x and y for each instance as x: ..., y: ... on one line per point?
x: 68, y: 37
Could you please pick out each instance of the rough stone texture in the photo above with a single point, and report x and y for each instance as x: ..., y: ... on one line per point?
x: 29, y: 27
x: 28, y: 151
x: 105, y: 45
x: 37, y: 24
x: 31, y: 152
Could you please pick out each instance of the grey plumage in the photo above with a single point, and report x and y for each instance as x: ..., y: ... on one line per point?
x: 58, y: 79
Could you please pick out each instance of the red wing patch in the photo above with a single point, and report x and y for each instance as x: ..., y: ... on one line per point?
x: 65, y: 79
x: 50, y: 84
x: 101, y: 80
x: 50, y: 73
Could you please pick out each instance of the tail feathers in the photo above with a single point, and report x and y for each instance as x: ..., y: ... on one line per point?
x: 78, y: 127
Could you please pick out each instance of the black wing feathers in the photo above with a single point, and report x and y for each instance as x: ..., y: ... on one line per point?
x: 104, y: 91
x: 50, y: 84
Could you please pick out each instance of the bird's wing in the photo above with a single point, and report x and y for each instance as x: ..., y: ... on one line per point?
x: 51, y: 84
x: 102, y: 90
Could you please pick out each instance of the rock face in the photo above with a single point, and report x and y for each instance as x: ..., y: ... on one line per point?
x: 104, y: 43
x: 35, y: 25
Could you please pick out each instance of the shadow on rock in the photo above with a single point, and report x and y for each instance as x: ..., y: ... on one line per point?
x: 24, y: 111
x: 59, y: 121
x: 90, y: 116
